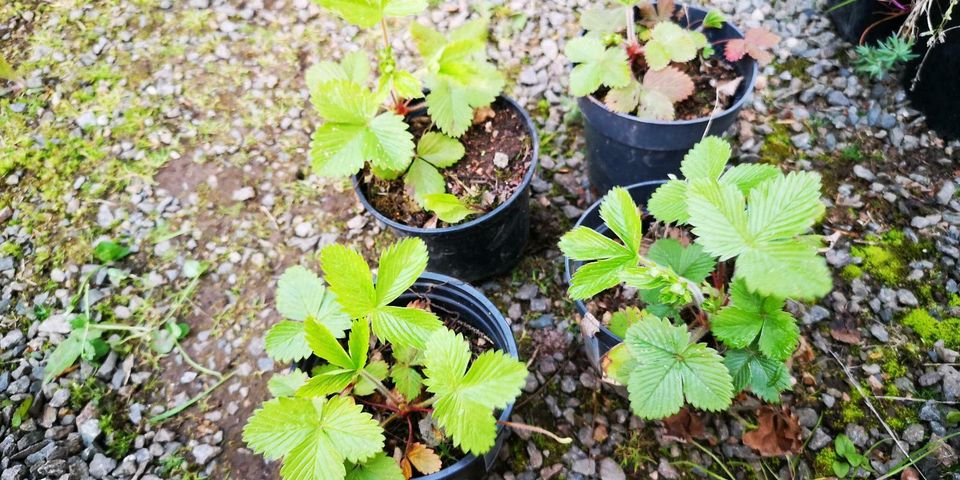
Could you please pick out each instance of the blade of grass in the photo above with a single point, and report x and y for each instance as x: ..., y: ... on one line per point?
x: 185, y: 405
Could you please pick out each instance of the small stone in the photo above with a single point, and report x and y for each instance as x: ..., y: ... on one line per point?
x: 946, y: 192
x: 609, y: 470
x: 907, y: 297
x: 879, y: 332
x: 202, y: 453
x: 545, y: 321
x: 243, y: 194
x: 13, y: 337
x: 585, y: 466
x: 863, y: 172
x: 914, y: 434
x: 819, y: 439
x: 89, y: 431
x: 86, y: 120
x: 101, y: 465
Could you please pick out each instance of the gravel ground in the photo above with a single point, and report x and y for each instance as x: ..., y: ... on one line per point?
x: 181, y: 129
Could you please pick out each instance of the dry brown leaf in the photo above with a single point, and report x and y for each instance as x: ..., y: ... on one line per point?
x: 729, y: 88
x: 846, y: 336
x: 420, y: 304
x: 684, y: 425
x: 424, y: 459
x: 483, y: 114
x: 778, y: 433
x: 406, y: 469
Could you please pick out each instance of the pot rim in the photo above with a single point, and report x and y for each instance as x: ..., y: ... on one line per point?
x: 754, y: 72
x: 527, y: 178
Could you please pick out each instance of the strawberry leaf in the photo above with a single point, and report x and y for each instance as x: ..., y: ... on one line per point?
x: 367, y: 13
x: 380, y: 467
x: 753, y: 317
x: 670, y: 42
x: 466, y: 399
x: 447, y: 207
x: 596, y: 66
x: 424, y: 179
x: 757, y: 43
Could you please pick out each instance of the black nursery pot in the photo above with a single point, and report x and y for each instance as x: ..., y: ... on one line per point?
x: 853, y: 18
x: 484, y: 246
x: 599, y: 345
x: 623, y: 149
x: 473, y: 308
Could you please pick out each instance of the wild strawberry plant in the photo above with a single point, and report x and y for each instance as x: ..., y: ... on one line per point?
x: 644, y: 67
x: 753, y: 214
x: 380, y: 365
x: 365, y: 122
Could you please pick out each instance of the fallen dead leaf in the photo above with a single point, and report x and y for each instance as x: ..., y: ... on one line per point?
x: 483, y: 114
x: 424, y: 459
x: 778, y: 433
x: 846, y: 336
x: 420, y: 304
x: 684, y: 425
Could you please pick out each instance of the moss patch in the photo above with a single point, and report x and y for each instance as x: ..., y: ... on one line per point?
x: 777, y: 146
x: 881, y: 263
x: 929, y: 329
x: 851, y: 272
x: 823, y: 462
x: 797, y: 66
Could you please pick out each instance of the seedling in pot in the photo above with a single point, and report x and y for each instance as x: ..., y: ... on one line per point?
x: 383, y: 369
x: 646, y: 69
x: 698, y: 337
x: 367, y: 123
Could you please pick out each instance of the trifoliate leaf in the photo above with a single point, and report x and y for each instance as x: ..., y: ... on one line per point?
x: 713, y: 19
x: 367, y: 13
x: 585, y: 244
x: 669, y: 202
x: 603, y: 20
x: 765, y: 377
x: 660, y: 90
x: 690, y: 262
x: 286, y: 342
x: 424, y: 179
x: 286, y: 384
x: 429, y: 41
x: 325, y: 345
x: 353, y: 132
x: 749, y: 175
x: 596, y: 66
x: 773, y: 257
x: 669, y: 42
x: 314, y: 436
x: 440, y: 150
x: 400, y: 266
x: 670, y: 369
x: 404, y: 326
x: 595, y: 277
x: 750, y: 316
x: 301, y: 294
x: 402, y: 82
x: 757, y: 43
x: 447, y: 207
x: 380, y: 467
x: 466, y: 399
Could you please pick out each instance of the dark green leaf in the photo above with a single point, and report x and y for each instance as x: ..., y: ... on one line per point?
x: 107, y: 251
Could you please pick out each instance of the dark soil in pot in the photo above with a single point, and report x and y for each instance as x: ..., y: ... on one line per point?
x: 474, y: 178
x: 482, y: 245
x: 468, y: 312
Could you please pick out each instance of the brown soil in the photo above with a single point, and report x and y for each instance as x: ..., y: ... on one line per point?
x: 474, y: 179
x: 706, y: 76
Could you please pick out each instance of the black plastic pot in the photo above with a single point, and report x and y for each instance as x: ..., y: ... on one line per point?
x: 472, y: 307
x: 933, y: 94
x: 600, y: 344
x: 485, y: 246
x: 623, y: 149
x: 853, y: 19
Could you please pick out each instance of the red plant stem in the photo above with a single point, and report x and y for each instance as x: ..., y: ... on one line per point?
x: 409, y: 435
x: 381, y: 406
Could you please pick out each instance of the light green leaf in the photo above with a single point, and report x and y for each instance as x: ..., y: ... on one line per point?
x: 750, y: 316
x: 400, y: 265
x: 7, y: 72
x: 424, y: 179
x: 475, y: 30
x: 669, y: 202
x: 440, y: 150
x: 690, y: 262
x: 286, y: 342
x: 621, y: 320
x: 286, y: 384
x: 447, y: 207
x: 595, y: 277
x: 350, y: 279
x: 66, y: 353
x: 429, y: 41
x: 466, y: 399
x: 380, y: 467
x: 655, y: 106
x: 603, y: 20
x: 584, y: 244
x: 326, y: 346
x: 301, y: 294
x: 785, y: 206
x: 402, y: 82
x: 445, y: 109
x: 623, y: 217
x: 749, y: 175
x: 378, y: 370
x: 407, y: 381
x: 337, y: 150
x: 359, y: 342
x: 670, y: 369
x: 596, y: 66
x: 669, y: 42
x: 718, y: 216
x: 404, y: 326
x: 787, y: 269
x: 625, y: 99
x: 713, y: 19
x: 356, y: 66
x: 367, y: 13
x: 706, y: 159
x: 326, y: 380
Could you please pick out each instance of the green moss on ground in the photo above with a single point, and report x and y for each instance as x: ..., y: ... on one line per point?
x: 777, y: 146
x: 797, y: 66
x: 930, y: 329
x: 851, y: 272
x: 881, y: 263
x: 823, y: 462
